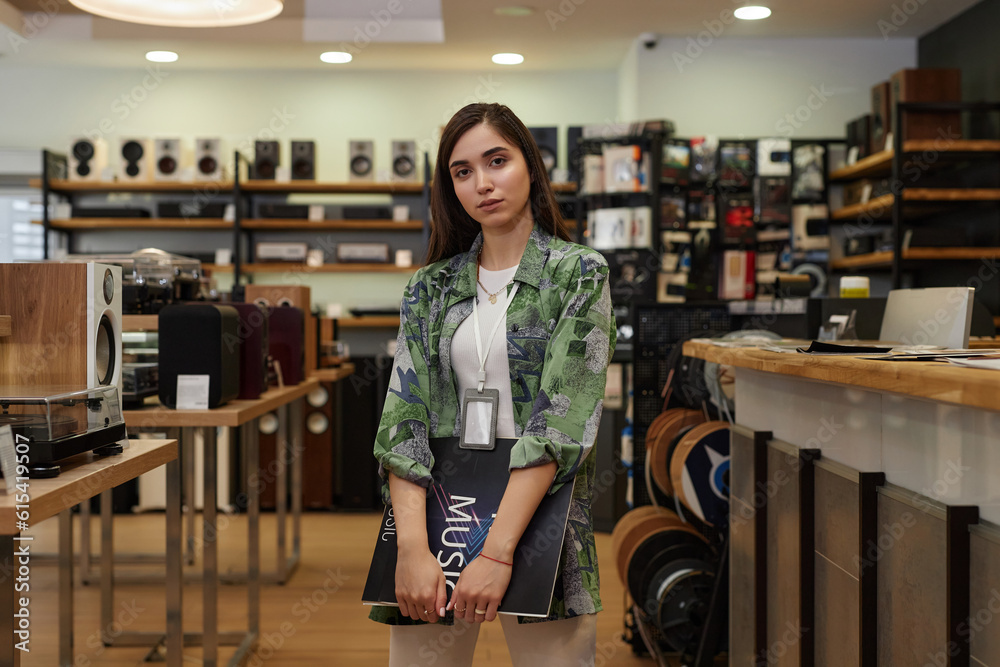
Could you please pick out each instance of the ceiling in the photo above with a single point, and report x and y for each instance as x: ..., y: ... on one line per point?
x: 446, y: 34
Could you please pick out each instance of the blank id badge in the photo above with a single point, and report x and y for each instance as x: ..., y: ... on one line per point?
x: 479, y: 419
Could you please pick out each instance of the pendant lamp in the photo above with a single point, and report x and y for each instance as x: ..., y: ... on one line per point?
x: 184, y: 13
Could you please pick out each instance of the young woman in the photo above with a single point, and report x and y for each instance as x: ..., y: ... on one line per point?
x: 497, y: 232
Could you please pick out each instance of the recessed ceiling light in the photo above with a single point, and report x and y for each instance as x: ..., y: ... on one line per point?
x: 514, y: 11
x: 161, y: 57
x: 184, y: 13
x: 336, y: 57
x: 508, y: 58
x: 752, y: 13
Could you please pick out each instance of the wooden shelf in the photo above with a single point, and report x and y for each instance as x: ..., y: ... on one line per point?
x: 871, y: 260
x: 952, y: 146
x: 883, y: 259
x: 950, y: 253
x: 319, y: 187
x: 279, y: 267
x: 140, y: 322
x: 332, y: 374
x: 77, y: 224
x: 4, y: 325
x: 878, y: 164
x: 567, y: 188
x: 60, y: 185
x: 879, y: 208
x: 297, y: 224
x: 369, y: 322
x: 951, y: 194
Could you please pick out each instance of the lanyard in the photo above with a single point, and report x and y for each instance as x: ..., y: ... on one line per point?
x: 479, y: 338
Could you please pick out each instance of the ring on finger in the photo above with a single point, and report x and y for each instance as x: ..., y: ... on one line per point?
x: 480, y: 611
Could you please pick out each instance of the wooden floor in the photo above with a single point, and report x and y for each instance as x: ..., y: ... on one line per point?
x: 301, y: 624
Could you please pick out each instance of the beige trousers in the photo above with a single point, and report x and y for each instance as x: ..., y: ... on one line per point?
x: 569, y: 642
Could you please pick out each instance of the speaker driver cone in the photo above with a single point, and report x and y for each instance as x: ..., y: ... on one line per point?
x: 317, y: 423
x: 104, y: 362
x: 268, y: 424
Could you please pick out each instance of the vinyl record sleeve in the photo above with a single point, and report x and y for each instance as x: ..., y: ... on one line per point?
x: 461, y: 505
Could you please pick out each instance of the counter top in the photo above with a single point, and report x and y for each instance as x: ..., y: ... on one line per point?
x: 937, y: 381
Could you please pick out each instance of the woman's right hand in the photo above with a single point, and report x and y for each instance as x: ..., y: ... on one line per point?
x: 420, y: 585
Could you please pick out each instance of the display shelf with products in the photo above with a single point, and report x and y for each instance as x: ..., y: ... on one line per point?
x: 943, y: 191
x: 239, y: 194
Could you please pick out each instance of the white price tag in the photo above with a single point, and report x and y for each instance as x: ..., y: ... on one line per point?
x: 192, y: 392
x: 230, y: 213
x: 283, y: 174
x: 223, y: 256
x: 888, y: 141
x: 400, y: 213
x: 317, y: 212
x: 8, y: 458
x: 852, y: 155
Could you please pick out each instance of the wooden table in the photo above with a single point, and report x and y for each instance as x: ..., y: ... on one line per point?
x: 82, y: 477
x: 238, y: 413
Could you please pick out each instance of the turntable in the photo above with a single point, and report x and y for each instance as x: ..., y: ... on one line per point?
x: 59, y: 422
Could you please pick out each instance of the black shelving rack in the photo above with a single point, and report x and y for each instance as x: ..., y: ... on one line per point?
x: 902, y: 157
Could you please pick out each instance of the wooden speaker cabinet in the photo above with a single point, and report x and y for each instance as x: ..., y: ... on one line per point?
x: 881, y: 116
x: 299, y: 296
x: 66, y: 324
x: 927, y: 85
x: 318, y: 473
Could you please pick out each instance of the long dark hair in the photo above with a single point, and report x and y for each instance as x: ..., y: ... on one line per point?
x: 452, y: 229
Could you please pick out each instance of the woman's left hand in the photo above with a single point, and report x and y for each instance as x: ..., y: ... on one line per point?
x: 481, y: 586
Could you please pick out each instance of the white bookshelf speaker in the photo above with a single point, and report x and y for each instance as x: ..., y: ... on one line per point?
x: 404, y: 161
x: 208, y: 159
x: 167, y: 160
x: 361, y: 156
x: 134, y: 159
x: 87, y: 159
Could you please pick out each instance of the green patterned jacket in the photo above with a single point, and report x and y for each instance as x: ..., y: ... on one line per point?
x: 560, y: 338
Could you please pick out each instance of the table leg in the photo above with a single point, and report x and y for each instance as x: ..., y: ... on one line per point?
x: 251, y: 439
x: 85, y: 542
x: 9, y: 655
x: 175, y: 567
x: 187, y: 458
x: 210, y: 552
x: 66, y: 588
x: 298, y: 453
x: 107, y: 562
x: 281, y: 490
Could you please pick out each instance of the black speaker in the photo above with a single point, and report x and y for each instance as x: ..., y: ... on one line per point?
x: 304, y: 160
x: 266, y: 159
x: 362, y: 399
x: 87, y: 159
x: 574, y: 155
x: 286, y: 341
x: 404, y: 161
x: 254, y: 347
x: 547, y: 139
x: 196, y: 339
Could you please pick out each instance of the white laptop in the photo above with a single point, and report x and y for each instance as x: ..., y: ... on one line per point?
x: 928, y: 316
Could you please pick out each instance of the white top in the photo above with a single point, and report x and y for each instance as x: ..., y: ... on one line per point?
x: 465, y: 360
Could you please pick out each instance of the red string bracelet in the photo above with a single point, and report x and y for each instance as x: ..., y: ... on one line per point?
x: 495, y: 560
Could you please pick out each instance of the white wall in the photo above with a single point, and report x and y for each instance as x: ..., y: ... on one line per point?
x: 51, y: 105
x: 805, y: 88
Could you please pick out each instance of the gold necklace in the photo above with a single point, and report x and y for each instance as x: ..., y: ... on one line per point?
x: 492, y: 297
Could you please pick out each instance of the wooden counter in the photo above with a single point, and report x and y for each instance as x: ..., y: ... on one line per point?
x: 233, y: 413
x: 937, y: 381
x: 4, y: 325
